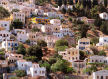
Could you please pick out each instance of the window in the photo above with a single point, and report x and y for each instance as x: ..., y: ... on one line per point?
x: 40, y: 72
x: 8, y: 44
x: 43, y: 72
x: 68, y: 52
x: 15, y: 44
x: 97, y: 77
x: 96, y: 61
x: 101, y: 77
x: 5, y: 24
x: 35, y: 71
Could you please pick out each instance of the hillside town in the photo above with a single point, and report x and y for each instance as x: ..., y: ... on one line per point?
x: 53, y: 39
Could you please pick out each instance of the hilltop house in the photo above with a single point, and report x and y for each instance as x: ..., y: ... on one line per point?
x: 3, y: 66
x: 36, y: 70
x: 5, y: 24
x: 103, y: 15
x: 19, y: 15
x: 71, y: 54
x: 56, y: 22
x: 4, y: 35
x: 34, y: 37
x: 83, y: 43
x: 79, y: 65
x: 12, y: 58
x: 102, y: 74
x: 21, y: 35
x: 9, y: 45
x: 31, y: 69
x: 50, y: 40
x: 98, y: 59
x: 103, y: 40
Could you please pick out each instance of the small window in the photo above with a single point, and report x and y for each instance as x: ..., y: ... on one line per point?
x: 101, y: 77
x: 35, y: 71
x: 43, y: 72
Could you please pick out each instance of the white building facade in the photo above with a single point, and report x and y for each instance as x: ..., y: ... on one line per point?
x: 103, y: 41
x: 5, y: 24
x: 4, y: 35
x: 102, y: 74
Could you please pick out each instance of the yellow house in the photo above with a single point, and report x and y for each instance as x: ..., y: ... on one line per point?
x: 41, y: 20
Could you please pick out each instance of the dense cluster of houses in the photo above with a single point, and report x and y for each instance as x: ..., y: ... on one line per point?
x: 48, y: 21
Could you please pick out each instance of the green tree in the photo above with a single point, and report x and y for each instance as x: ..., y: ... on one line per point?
x: 60, y: 65
x: 82, y: 55
x: 15, y: 10
x: 105, y: 3
x: 71, y: 2
x: 70, y: 19
x: 70, y: 70
x: 17, y: 24
x: 35, y: 50
x: 98, y: 22
x: 65, y: 2
x: 20, y: 73
x: 94, y: 12
x: 13, y: 78
x: 104, y: 27
x: 95, y: 2
x: 61, y: 48
x: 45, y: 64
x: 61, y: 43
x: 35, y: 30
x: 63, y: 10
x: 84, y: 28
x: 102, y: 53
x: 27, y: 41
x: 94, y: 40
x: 69, y: 11
x: 4, y: 13
x: 21, y: 49
x: 41, y: 43
x: 31, y: 58
x: 59, y: 2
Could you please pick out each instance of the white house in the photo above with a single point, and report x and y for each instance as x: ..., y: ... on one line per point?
x: 32, y: 69
x: 98, y: 59
x: 58, y: 34
x: 4, y: 35
x: 54, y: 15
x: 13, y: 57
x: 79, y: 65
x: 50, y: 40
x: 5, y: 24
x: 39, y: 12
x: 19, y: 15
x: 103, y: 15
x: 66, y: 31
x: 9, y: 45
x: 103, y: 40
x: 62, y: 31
x: 83, y: 43
x: 71, y: 54
x: 23, y: 64
x: 27, y: 11
x: 21, y: 35
x: 102, y: 74
x: 55, y: 22
x: 36, y: 70
x: 34, y: 37
x: 47, y: 28
x: 3, y: 2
